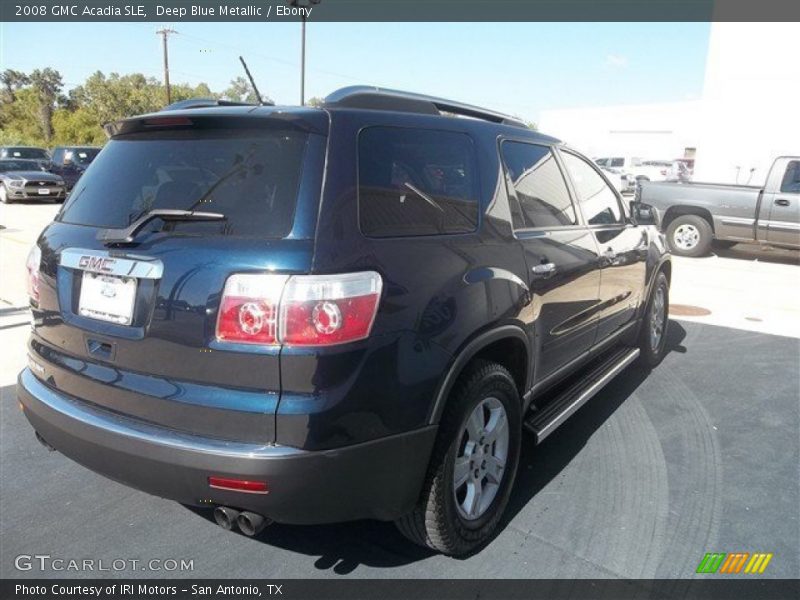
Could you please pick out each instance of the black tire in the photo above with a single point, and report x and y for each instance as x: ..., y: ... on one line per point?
x: 651, y: 354
x: 693, y: 223
x: 436, y: 522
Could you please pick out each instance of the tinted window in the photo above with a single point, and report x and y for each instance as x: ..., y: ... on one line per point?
x: 539, y: 185
x: 82, y: 156
x: 58, y: 156
x: 416, y: 182
x: 250, y: 177
x: 598, y: 201
x: 25, y: 153
x: 791, y: 179
x: 617, y: 162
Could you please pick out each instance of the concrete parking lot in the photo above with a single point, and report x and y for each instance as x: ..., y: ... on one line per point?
x: 700, y: 455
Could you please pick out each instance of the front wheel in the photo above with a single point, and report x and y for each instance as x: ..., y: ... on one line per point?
x: 653, y: 332
x: 689, y: 235
x: 473, y: 465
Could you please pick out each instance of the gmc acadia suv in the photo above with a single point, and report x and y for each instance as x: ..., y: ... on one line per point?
x: 309, y: 315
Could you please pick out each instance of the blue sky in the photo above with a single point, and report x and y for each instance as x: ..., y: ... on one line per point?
x: 518, y: 68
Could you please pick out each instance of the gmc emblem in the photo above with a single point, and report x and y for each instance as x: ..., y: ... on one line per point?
x: 96, y: 263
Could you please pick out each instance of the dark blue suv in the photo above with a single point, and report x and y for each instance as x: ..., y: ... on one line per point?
x: 308, y: 315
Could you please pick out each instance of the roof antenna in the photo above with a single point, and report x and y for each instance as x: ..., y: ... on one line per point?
x: 252, y: 81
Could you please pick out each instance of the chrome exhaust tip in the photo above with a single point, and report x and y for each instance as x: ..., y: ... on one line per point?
x: 252, y: 524
x: 226, y: 517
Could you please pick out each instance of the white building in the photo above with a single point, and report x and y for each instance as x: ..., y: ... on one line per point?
x: 749, y: 112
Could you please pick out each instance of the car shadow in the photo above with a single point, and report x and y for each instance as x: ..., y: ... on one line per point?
x: 756, y: 252
x: 342, y: 547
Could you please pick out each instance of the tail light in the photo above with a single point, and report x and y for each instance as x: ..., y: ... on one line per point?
x: 32, y: 266
x: 302, y: 310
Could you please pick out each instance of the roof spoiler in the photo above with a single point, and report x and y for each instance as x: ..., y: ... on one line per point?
x: 204, y: 103
x: 362, y: 96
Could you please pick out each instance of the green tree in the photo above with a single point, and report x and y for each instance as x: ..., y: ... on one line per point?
x: 315, y: 102
x: 240, y: 90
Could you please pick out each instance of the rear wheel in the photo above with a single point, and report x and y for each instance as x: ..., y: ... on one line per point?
x: 689, y: 235
x: 653, y: 332
x: 473, y: 465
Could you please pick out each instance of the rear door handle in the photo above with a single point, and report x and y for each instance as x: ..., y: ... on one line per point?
x: 782, y: 202
x: 544, y: 268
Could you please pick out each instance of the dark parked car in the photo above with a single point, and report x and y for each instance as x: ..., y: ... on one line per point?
x: 311, y: 315
x: 28, y: 152
x: 71, y: 161
x: 25, y: 180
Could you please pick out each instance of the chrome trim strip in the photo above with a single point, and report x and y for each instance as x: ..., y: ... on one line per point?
x: 99, y: 261
x: 783, y: 225
x: 586, y: 394
x: 144, y: 432
x: 737, y: 221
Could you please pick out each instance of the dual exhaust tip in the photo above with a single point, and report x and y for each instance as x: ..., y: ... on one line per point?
x: 249, y: 523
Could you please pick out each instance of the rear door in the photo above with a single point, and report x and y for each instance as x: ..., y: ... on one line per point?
x: 132, y: 326
x: 622, y: 245
x: 560, y: 253
x: 784, y: 206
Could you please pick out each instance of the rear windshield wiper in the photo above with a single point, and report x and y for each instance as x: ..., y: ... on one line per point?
x: 424, y: 196
x: 126, y: 235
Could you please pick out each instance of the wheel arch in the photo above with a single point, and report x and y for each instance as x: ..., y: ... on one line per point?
x: 679, y: 210
x: 507, y: 345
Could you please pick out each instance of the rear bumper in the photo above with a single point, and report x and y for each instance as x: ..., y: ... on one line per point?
x: 378, y: 479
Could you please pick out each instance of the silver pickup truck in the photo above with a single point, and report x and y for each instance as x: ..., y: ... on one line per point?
x: 695, y: 215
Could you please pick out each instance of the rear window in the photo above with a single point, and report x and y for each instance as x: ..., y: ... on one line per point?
x: 82, y: 156
x: 250, y: 177
x: 415, y: 182
x: 25, y: 153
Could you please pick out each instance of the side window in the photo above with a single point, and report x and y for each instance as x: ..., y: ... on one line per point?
x: 539, y: 185
x: 791, y: 179
x: 414, y: 182
x: 57, y: 157
x: 598, y: 201
x: 617, y: 162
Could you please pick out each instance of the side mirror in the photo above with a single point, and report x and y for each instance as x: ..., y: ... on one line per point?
x: 644, y: 214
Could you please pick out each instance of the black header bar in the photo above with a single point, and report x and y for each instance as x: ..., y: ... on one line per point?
x: 720, y: 588
x: 176, y: 11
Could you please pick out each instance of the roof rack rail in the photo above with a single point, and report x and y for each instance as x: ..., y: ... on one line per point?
x: 364, y: 96
x: 203, y: 103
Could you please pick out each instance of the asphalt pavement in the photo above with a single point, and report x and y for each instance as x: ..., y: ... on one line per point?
x: 700, y: 455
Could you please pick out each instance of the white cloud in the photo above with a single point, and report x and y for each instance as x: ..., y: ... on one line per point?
x: 616, y: 61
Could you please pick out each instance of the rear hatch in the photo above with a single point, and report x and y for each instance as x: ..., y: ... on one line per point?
x: 128, y: 319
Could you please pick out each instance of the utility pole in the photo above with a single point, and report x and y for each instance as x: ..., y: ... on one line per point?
x: 165, y: 32
x: 303, y: 65
x: 305, y: 7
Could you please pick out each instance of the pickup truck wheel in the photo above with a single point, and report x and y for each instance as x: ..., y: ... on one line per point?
x: 653, y: 332
x: 473, y: 465
x: 689, y: 235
